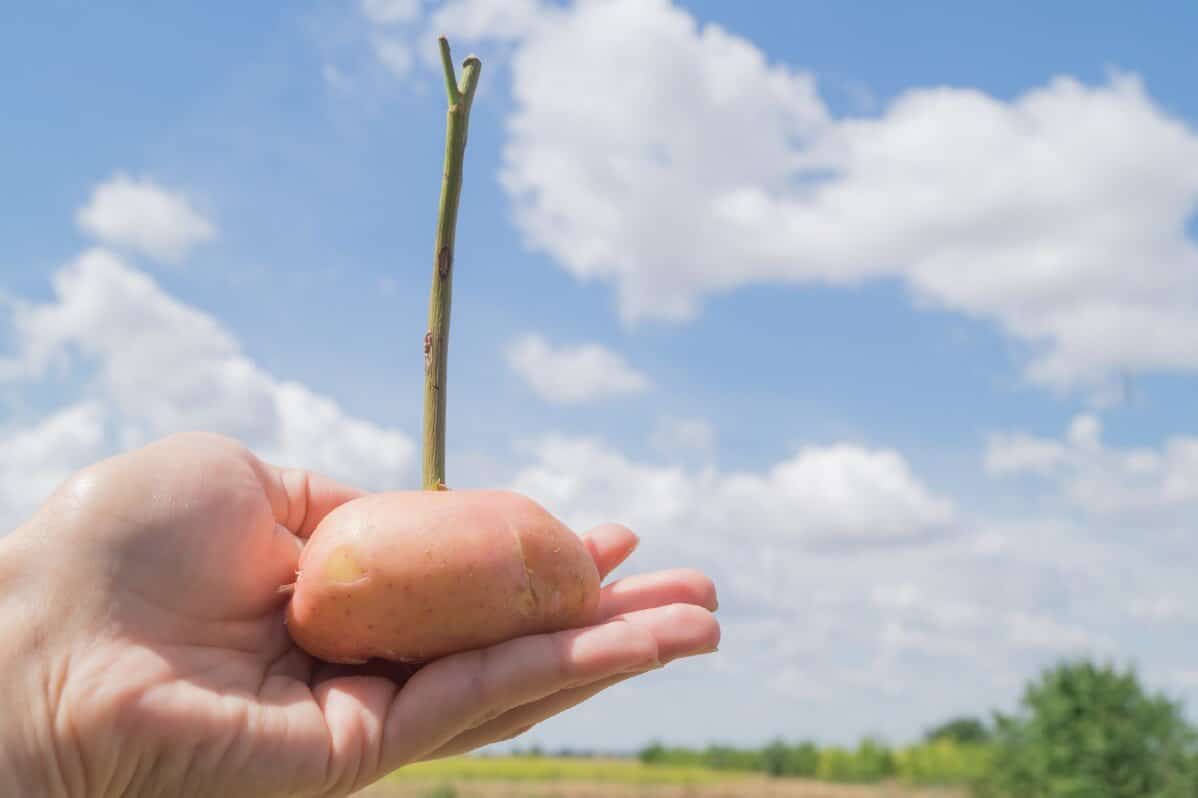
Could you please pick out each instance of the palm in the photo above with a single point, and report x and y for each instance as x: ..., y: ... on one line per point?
x: 188, y: 642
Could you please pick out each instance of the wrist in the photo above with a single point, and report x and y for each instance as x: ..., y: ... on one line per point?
x: 27, y: 749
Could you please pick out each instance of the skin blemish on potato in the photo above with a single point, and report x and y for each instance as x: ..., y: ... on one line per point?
x: 530, y: 600
x: 341, y: 568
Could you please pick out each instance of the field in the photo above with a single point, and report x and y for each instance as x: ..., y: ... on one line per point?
x: 536, y: 777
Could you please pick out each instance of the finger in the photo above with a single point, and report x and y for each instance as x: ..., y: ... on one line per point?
x: 680, y: 586
x: 519, y: 720
x: 610, y: 545
x: 354, y: 709
x: 301, y: 499
x: 466, y: 690
x: 678, y: 630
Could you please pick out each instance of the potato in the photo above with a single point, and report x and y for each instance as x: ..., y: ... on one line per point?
x: 414, y: 576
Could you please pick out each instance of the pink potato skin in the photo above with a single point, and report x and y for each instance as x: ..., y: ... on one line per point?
x: 414, y: 576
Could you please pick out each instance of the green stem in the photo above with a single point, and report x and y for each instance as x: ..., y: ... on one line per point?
x: 436, y: 340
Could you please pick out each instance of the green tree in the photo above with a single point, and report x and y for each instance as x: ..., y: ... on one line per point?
x: 803, y: 760
x: 1092, y: 731
x: 960, y: 730
x: 942, y: 761
x: 774, y: 756
x: 652, y: 754
x: 875, y: 759
x: 871, y: 761
x: 723, y: 757
x: 780, y: 759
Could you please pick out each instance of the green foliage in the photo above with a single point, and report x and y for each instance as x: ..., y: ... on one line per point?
x: 658, y: 754
x: 961, y: 730
x: 871, y: 761
x: 722, y: 757
x: 803, y: 760
x: 942, y: 761
x: 652, y: 754
x: 835, y: 764
x: 1088, y: 730
x: 715, y: 757
x: 442, y: 791
x: 780, y: 759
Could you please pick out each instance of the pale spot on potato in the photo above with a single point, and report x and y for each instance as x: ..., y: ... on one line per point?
x: 341, y: 567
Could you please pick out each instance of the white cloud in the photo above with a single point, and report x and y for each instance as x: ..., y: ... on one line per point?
x: 1015, y: 452
x: 386, y: 12
x: 840, y: 495
x: 836, y: 494
x: 1161, y: 609
x: 621, y: 187
x: 145, y: 217
x: 573, y: 374
x: 394, y: 54
x: 1100, y: 479
x: 679, y: 437
x: 161, y: 366
x: 35, y: 459
x: 588, y: 483
x: 1037, y: 631
x: 696, y: 166
x: 929, y: 625
x: 489, y: 19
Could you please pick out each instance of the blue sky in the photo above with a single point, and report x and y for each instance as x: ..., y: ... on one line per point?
x: 885, y: 318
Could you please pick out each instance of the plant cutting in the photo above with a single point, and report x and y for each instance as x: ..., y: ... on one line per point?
x: 412, y: 576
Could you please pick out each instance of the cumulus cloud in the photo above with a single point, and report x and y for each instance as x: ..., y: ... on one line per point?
x: 680, y: 437
x: 1100, y: 479
x: 145, y: 217
x: 848, y: 580
x: 573, y: 374
x: 37, y: 458
x: 839, y: 495
x: 386, y: 12
x: 487, y: 19
x: 1019, y: 452
x: 160, y: 366
x: 697, y: 165
x: 394, y: 54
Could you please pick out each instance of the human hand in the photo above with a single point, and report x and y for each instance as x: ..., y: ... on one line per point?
x: 146, y: 654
